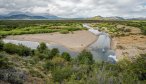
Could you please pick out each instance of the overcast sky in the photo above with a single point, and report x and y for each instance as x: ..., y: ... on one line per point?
x: 77, y: 8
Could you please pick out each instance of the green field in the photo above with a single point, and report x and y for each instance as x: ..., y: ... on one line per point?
x: 33, y: 27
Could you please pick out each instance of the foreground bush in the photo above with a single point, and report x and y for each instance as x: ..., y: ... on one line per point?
x: 85, y: 57
x: 42, y: 47
x: 17, y: 49
x: 4, y: 62
x: 61, y: 73
x: 66, y: 56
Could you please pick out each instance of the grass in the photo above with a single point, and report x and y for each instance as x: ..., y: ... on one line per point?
x: 33, y: 28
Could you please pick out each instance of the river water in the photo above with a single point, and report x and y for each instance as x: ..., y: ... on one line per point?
x: 100, y: 49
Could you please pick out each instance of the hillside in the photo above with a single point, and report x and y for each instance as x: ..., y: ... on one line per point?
x: 105, y: 18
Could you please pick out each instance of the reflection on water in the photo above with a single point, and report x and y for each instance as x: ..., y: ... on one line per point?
x: 34, y: 45
x: 101, y: 49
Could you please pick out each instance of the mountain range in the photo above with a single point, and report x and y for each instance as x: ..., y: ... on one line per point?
x: 29, y: 16
x: 115, y: 18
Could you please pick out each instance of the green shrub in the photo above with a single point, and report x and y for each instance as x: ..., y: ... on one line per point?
x: 66, y: 56
x: 42, y: 47
x: 54, y: 52
x: 4, y: 62
x: 61, y: 74
x: 49, y: 65
x: 144, y: 30
x: 17, y: 49
x: 24, y: 51
x: 85, y: 57
x: 64, y: 31
x: 11, y: 48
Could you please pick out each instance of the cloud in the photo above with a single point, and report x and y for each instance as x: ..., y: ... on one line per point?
x: 76, y: 8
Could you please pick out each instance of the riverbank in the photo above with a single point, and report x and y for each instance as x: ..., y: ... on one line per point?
x: 130, y: 46
x: 77, y: 41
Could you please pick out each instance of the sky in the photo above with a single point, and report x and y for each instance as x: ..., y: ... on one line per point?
x: 76, y: 8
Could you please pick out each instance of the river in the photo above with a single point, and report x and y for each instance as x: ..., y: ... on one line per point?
x: 100, y: 49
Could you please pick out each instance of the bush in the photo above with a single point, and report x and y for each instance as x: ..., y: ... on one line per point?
x: 64, y: 31
x: 17, y: 49
x: 144, y: 30
x: 42, y: 47
x: 60, y: 74
x: 24, y: 51
x: 54, y: 52
x: 11, y: 48
x: 85, y: 57
x: 49, y: 65
x: 4, y: 62
x: 66, y: 56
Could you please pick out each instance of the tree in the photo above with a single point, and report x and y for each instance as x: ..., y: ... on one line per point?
x: 66, y: 56
x: 54, y: 52
x: 85, y: 57
x: 49, y: 65
x: 24, y: 51
x: 42, y: 47
x: 60, y: 74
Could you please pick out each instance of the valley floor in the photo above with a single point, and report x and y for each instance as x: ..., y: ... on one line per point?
x: 77, y: 40
x: 130, y: 45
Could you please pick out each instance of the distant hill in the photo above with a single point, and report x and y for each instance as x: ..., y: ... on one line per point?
x: 139, y: 18
x: 105, y: 18
x: 27, y: 17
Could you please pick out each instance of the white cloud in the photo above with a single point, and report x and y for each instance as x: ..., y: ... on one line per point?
x: 77, y: 8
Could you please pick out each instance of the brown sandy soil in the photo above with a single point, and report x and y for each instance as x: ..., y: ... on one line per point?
x: 130, y: 46
x: 77, y: 40
x: 134, y: 30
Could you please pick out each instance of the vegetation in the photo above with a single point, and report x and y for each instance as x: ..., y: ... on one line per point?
x: 50, y: 66
x: 64, y: 31
x: 139, y: 24
x: 20, y: 64
x: 14, y: 49
x: 118, y: 28
x: 33, y: 27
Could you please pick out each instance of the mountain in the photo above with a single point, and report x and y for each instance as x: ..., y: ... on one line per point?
x: 2, y: 17
x: 27, y: 16
x: 138, y: 18
x: 23, y: 16
x: 105, y: 18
